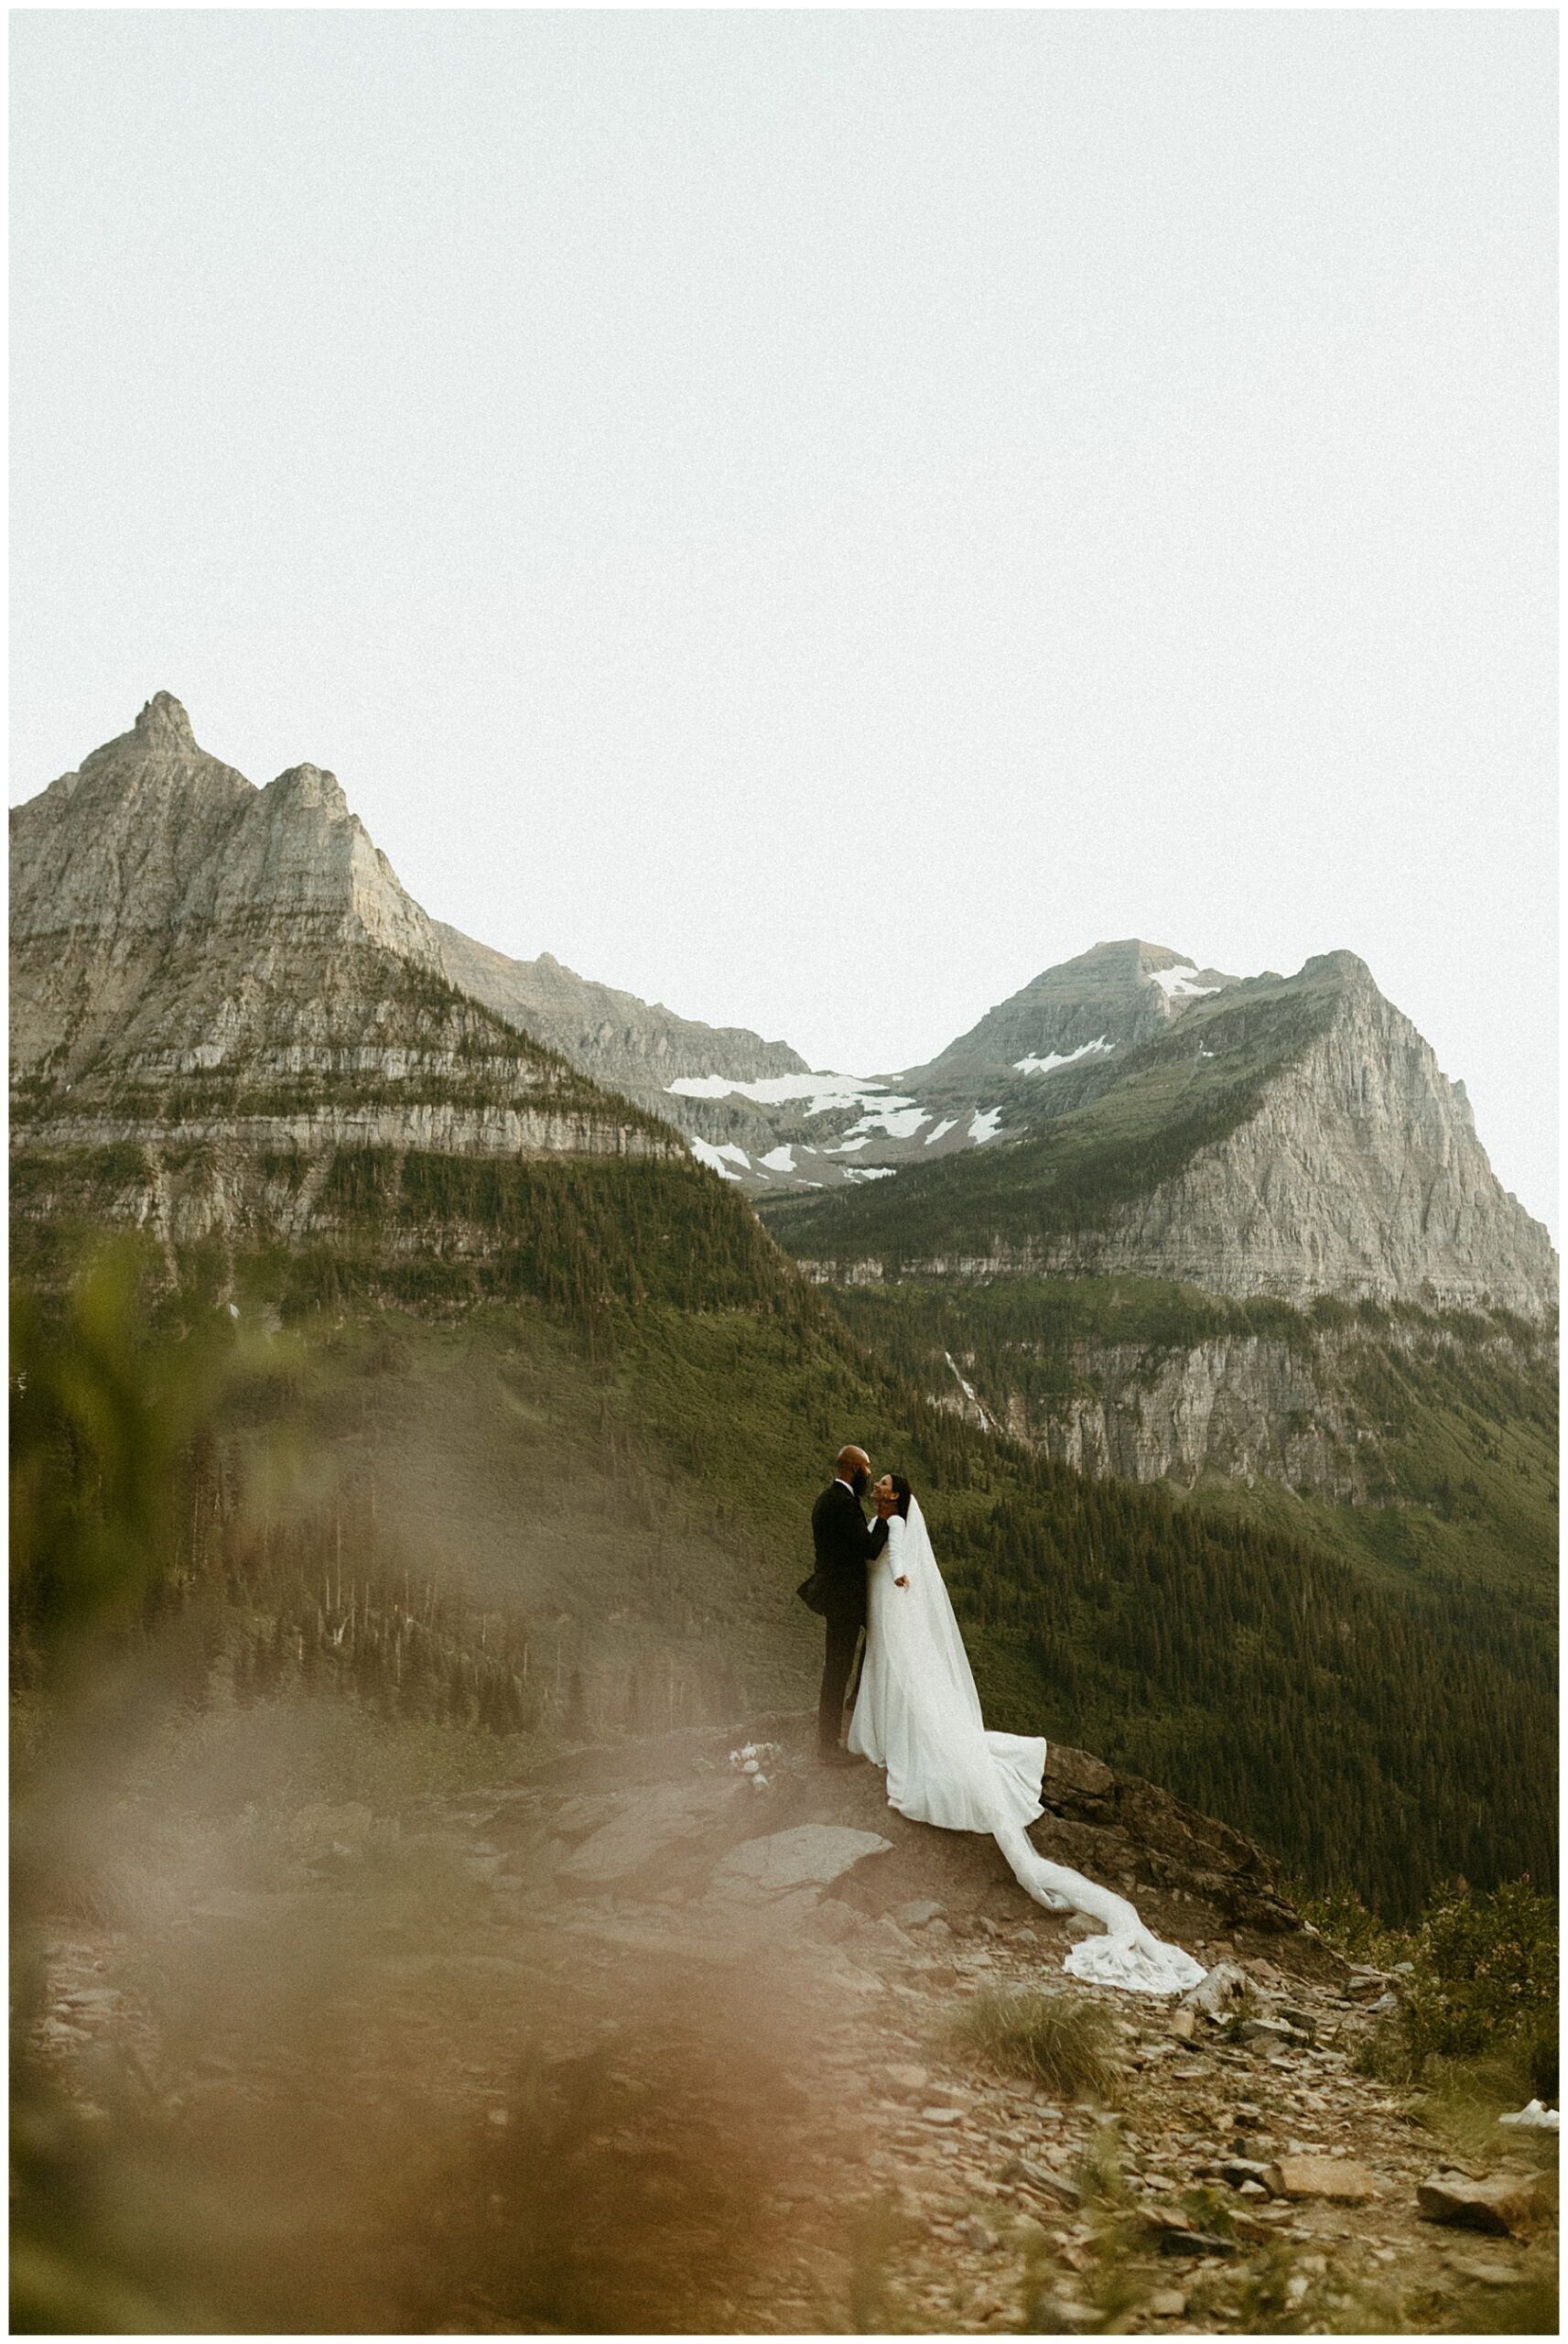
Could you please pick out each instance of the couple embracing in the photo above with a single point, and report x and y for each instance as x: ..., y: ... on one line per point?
x: 917, y: 1714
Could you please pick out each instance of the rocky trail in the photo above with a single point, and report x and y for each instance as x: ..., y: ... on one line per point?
x: 647, y: 2046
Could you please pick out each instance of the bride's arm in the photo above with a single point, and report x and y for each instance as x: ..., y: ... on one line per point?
x: 895, y: 1550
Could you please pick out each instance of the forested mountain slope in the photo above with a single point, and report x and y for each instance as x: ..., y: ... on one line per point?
x: 1423, y: 1441
x: 564, y: 1404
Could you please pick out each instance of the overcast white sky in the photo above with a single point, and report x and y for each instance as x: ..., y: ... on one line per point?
x: 816, y: 516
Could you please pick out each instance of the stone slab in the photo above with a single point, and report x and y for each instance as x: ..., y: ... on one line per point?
x: 812, y: 1853
x: 1336, y: 2180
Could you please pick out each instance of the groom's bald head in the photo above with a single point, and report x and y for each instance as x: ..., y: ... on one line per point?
x: 855, y: 1467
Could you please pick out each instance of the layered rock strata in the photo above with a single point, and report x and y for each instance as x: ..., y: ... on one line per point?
x: 198, y: 963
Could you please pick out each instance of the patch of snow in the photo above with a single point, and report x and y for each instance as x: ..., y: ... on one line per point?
x: 819, y: 1091
x: 1176, y: 984
x: 870, y: 1171
x: 778, y: 1159
x: 983, y: 1124
x: 714, y: 1158
x: 849, y: 1146
x: 942, y: 1130
x: 1208, y: 1054
x: 1049, y: 1064
x: 900, y: 1118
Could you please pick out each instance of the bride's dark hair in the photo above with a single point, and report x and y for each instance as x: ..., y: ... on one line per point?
x: 903, y: 1492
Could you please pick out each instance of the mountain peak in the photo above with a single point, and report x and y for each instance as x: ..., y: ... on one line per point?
x: 164, y: 722
x: 1120, y: 991
x: 309, y: 785
x: 1122, y: 946
x: 1336, y: 964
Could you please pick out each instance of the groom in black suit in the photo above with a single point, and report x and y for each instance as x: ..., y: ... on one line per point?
x: 846, y: 1544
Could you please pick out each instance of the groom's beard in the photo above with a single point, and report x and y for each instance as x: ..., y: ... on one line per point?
x: 860, y: 1484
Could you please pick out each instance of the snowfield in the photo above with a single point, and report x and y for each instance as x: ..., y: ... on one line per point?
x: 1049, y: 1064
x: 820, y: 1091
x: 1176, y: 984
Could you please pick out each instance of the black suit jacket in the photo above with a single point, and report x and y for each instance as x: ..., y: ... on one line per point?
x: 845, y: 1543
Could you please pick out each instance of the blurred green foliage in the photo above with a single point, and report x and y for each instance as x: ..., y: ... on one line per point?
x: 104, y: 1413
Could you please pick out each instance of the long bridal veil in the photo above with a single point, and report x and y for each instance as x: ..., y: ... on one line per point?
x: 991, y: 1781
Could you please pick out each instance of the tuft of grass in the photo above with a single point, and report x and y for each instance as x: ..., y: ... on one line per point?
x: 1098, y: 2171
x: 1384, y: 2054
x: 1061, y: 2041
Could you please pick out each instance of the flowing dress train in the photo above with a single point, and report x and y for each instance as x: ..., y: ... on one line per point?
x: 918, y: 1714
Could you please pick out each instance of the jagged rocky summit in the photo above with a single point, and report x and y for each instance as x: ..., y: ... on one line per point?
x: 197, y: 959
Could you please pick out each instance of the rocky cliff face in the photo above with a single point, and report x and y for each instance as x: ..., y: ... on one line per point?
x: 1244, y: 1408
x: 1360, y: 1173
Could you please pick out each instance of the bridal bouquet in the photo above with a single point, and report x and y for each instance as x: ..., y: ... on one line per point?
x: 753, y: 1758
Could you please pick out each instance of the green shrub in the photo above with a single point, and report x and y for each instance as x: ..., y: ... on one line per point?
x: 1485, y: 1977
x: 1343, y: 1922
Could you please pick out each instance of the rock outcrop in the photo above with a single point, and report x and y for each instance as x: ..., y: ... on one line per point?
x: 653, y: 1814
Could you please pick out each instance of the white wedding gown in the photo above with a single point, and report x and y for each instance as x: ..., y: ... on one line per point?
x: 917, y: 1713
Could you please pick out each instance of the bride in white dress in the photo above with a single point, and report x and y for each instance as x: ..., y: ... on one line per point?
x: 917, y: 1713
